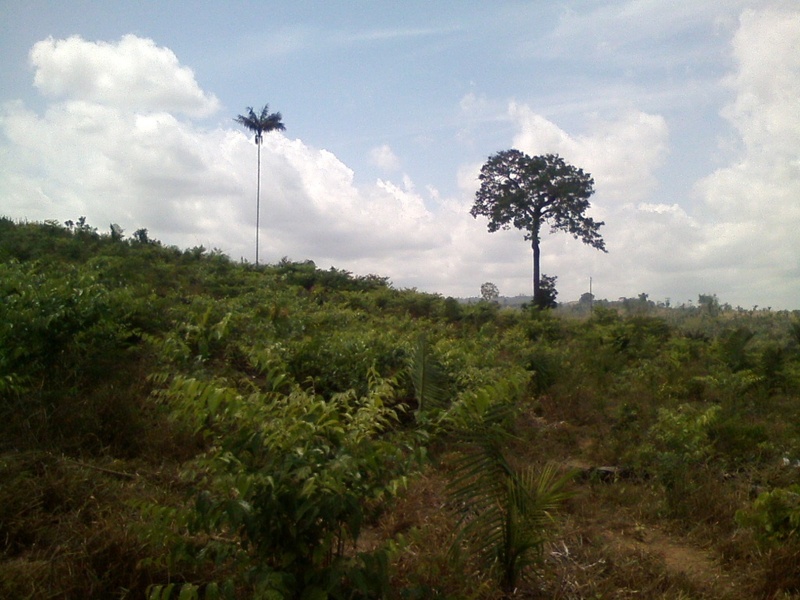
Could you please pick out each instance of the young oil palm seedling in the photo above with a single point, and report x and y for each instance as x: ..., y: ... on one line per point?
x: 427, y: 377
x: 504, y: 513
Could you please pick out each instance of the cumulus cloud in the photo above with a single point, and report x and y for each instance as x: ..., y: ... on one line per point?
x: 117, y: 142
x: 133, y: 73
x: 767, y: 85
x: 754, y: 201
x: 384, y: 158
x: 112, y: 146
x: 622, y: 155
x: 739, y: 239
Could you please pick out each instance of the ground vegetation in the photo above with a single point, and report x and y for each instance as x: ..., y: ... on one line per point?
x: 175, y: 424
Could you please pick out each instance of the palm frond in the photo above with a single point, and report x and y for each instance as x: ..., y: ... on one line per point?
x: 261, y: 123
x: 249, y: 120
x: 504, y: 514
x: 427, y: 377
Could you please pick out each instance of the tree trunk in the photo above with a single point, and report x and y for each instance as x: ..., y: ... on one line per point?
x: 536, y: 275
x: 258, y: 195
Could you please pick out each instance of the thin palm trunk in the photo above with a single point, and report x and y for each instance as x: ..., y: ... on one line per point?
x: 258, y: 198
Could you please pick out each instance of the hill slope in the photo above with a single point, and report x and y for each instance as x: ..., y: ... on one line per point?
x: 172, y: 418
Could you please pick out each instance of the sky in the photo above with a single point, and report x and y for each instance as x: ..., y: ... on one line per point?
x: 685, y: 112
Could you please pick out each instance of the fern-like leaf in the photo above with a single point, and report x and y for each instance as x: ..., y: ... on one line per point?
x: 503, y: 514
x: 427, y: 377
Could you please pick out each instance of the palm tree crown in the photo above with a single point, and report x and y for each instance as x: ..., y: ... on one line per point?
x: 263, y: 123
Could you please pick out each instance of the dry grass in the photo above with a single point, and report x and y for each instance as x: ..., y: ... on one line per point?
x: 65, y: 527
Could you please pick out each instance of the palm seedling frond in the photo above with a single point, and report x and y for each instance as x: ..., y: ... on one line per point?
x: 427, y: 377
x: 503, y: 513
x: 506, y: 515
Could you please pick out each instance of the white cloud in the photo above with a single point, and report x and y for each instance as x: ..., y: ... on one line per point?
x: 114, y: 158
x: 384, y: 158
x: 132, y: 73
x: 767, y: 84
x: 754, y: 202
x: 621, y: 155
x: 739, y: 241
x: 190, y: 186
x: 652, y: 246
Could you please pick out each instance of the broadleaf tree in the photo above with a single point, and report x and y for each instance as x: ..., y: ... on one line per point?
x: 490, y: 292
x: 260, y: 124
x: 530, y: 191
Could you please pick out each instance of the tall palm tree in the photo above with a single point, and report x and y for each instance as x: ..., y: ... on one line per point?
x: 263, y: 123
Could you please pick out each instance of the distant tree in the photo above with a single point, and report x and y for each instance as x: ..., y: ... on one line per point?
x: 639, y: 305
x: 116, y: 232
x: 489, y: 292
x: 547, y: 293
x: 524, y: 191
x: 709, y: 303
x: 452, y: 309
x: 260, y: 124
x: 140, y: 235
x: 83, y: 228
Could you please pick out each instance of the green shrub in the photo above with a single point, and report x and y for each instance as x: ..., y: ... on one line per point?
x: 288, y: 482
x: 775, y: 515
x: 680, y: 447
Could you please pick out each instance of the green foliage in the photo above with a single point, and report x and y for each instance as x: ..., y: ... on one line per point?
x: 775, y: 515
x: 730, y: 387
x: 680, y: 445
x: 527, y: 192
x: 740, y: 442
x: 504, y: 513
x: 547, y: 293
x: 709, y: 303
x: 731, y: 347
x: 683, y: 433
x: 60, y: 329
x: 429, y: 380
x: 489, y: 292
x: 280, y: 430
x: 289, y: 478
x: 309, y: 277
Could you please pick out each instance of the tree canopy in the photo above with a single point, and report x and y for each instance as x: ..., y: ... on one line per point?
x: 261, y: 123
x: 490, y: 292
x: 524, y: 191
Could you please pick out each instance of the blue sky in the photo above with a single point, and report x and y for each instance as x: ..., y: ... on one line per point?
x: 687, y: 114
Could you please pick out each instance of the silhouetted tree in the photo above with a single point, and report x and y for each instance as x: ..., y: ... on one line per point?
x: 260, y: 124
x: 489, y: 292
x: 547, y: 293
x: 524, y: 191
x: 709, y: 303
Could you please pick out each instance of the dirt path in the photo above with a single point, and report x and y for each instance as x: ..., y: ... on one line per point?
x: 605, y: 553
x: 646, y: 558
x: 680, y: 557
